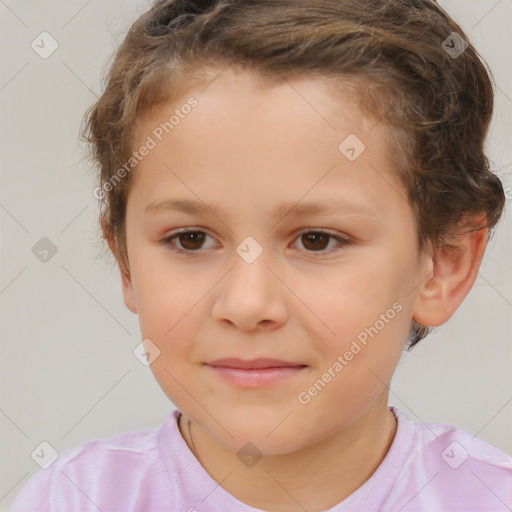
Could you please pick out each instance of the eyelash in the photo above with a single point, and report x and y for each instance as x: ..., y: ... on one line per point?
x: 167, y: 241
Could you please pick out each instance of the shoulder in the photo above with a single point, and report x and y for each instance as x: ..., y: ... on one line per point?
x: 102, y: 473
x: 124, y: 451
x: 462, y: 471
x: 455, y: 447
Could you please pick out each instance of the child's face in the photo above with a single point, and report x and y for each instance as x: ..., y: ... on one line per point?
x: 248, y: 148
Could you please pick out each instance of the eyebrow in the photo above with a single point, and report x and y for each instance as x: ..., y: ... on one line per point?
x: 326, y: 206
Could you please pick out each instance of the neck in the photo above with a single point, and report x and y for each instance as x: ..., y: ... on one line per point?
x: 302, y: 479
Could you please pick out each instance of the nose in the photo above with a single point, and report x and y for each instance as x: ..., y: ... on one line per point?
x: 251, y: 296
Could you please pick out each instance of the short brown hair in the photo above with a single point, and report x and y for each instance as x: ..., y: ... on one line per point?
x: 393, y: 54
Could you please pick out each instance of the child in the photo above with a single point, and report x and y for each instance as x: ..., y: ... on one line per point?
x: 293, y: 191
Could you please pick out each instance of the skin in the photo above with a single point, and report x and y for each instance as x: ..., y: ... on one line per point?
x: 247, y: 146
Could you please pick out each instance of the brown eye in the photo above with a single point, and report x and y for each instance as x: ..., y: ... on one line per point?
x: 192, y: 240
x: 315, y: 241
x: 318, y: 241
x: 186, y: 241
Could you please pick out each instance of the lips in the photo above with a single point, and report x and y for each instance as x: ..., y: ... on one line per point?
x: 255, y: 373
x: 253, y: 364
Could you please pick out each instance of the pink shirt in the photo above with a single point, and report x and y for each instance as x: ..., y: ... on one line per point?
x: 429, y: 468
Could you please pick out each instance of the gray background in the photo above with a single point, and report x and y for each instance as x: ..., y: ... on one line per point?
x: 68, y: 373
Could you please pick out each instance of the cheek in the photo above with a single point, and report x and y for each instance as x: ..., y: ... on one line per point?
x: 367, y: 315
x: 361, y: 293
x: 164, y: 297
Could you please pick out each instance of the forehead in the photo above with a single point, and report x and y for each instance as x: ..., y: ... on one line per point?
x: 283, y: 139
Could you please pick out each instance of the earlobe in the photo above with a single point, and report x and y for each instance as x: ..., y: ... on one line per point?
x: 126, y: 281
x: 128, y: 293
x: 454, y: 270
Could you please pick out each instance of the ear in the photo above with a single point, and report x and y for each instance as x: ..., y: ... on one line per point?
x: 454, y: 269
x: 126, y: 280
x: 128, y: 293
